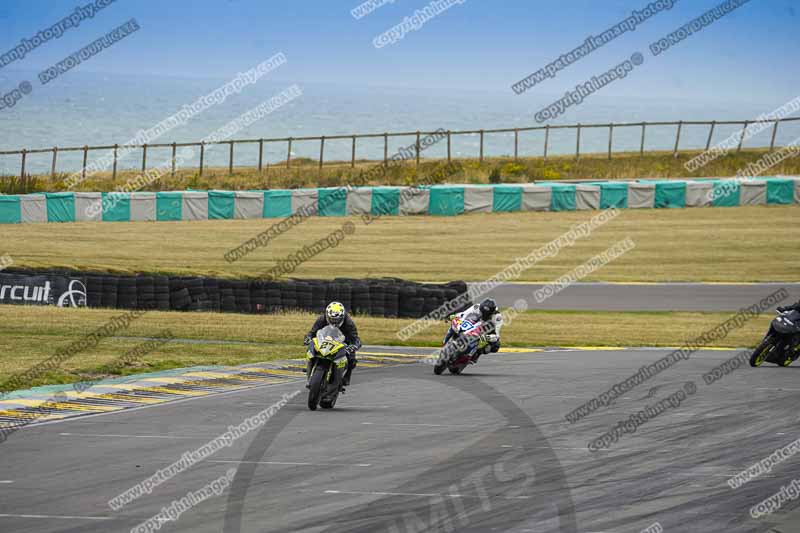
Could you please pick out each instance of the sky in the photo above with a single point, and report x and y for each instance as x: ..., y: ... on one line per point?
x: 476, y: 45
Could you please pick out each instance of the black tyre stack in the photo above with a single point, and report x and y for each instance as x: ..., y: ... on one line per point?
x: 288, y: 296
x: 385, y: 297
x: 319, y: 295
x: 227, y: 300
x: 274, y: 301
x: 304, y: 295
x: 146, y: 292
x: 211, y: 295
x: 391, y: 300
x: 126, y: 292
x: 258, y: 297
x: 161, y: 289
x: 241, y: 295
x: 343, y: 293
x: 110, y: 286
x: 94, y: 290
x: 361, y: 297
x: 377, y: 295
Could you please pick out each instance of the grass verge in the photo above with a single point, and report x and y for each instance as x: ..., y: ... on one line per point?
x: 29, y: 335
x: 751, y: 243
x: 305, y: 172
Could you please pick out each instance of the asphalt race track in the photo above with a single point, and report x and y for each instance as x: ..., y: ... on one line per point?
x: 600, y: 296
x: 405, y: 450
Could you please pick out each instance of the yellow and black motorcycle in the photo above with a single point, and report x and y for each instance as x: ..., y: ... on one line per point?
x: 781, y: 344
x: 326, y: 365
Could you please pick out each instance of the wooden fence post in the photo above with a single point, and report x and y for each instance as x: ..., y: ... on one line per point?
x: 174, y: 153
x: 610, y: 139
x: 289, y: 154
x: 144, y: 158
x: 321, y: 153
x: 260, y: 155
x: 85, y: 158
x: 202, y: 156
x: 53, y: 165
x: 416, y: 149
x: 641, y: 146
x: 578, y: 143
x: 774, y: 132
x: 114, y: 169
x: 230, y: 160
x: 386, y: 149
x: 353, y: 154
x: 710, y: 134
x: 516, y: 144
x: 546, y: 139
x: 22, y: 170
x: 481, y: 158
x: 677, y: 139
x: 741, y: 137
x: 448, y: 147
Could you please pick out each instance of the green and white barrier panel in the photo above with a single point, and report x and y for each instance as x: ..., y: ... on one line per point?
x: 442, y: 200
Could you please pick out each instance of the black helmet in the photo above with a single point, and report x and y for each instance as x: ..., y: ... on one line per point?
x: 487, y: 308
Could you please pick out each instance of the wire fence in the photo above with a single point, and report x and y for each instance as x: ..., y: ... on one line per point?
x: 482, y: 133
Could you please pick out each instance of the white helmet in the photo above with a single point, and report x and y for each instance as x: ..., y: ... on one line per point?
x: 335, y: 314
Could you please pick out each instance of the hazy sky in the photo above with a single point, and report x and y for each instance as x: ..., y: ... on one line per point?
x: 750, y: 54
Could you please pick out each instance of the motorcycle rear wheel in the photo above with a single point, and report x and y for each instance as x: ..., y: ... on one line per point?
x: 455, y: 369
x: 316, y: 384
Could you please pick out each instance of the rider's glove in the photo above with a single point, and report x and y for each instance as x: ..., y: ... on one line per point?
x: 491, y: 338
x: 307, y: 340
x: 350, y: 350
x: 780, y: 309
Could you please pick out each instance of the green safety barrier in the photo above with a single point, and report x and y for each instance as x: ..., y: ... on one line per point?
x: 780, y: 191
x: 385, y: 201
x: 670, y: 194
x: 169, y: 206
x: 116, y: 207
x: 506, y: 198
x: 221, y: 205
x: 60, y: 207
x: 613, y: 195
x: 10, y: 212
x: 726, y: 193
x: 563, y: 197
x: 277, y: 203
x: 446, y: 201
x: 332, y: 202
x: 438, y: 200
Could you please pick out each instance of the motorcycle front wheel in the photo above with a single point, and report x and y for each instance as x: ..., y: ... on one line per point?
x: 760, y: 353
x: 316, y: 383
x: 328, y: 403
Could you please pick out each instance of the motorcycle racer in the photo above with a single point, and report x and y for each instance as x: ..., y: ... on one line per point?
x: 487, y: 313
x: 336, y: 315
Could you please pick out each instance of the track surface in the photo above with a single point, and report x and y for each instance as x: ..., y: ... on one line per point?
x: 599, y: 296
x: 402, y: 435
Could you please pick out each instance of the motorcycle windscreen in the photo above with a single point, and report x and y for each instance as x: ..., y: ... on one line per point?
x: 329, y: 338
x: 787, y: 324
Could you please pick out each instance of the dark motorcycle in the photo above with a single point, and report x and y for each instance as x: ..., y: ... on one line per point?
x: 781, y: 345
x: 326, y: 364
